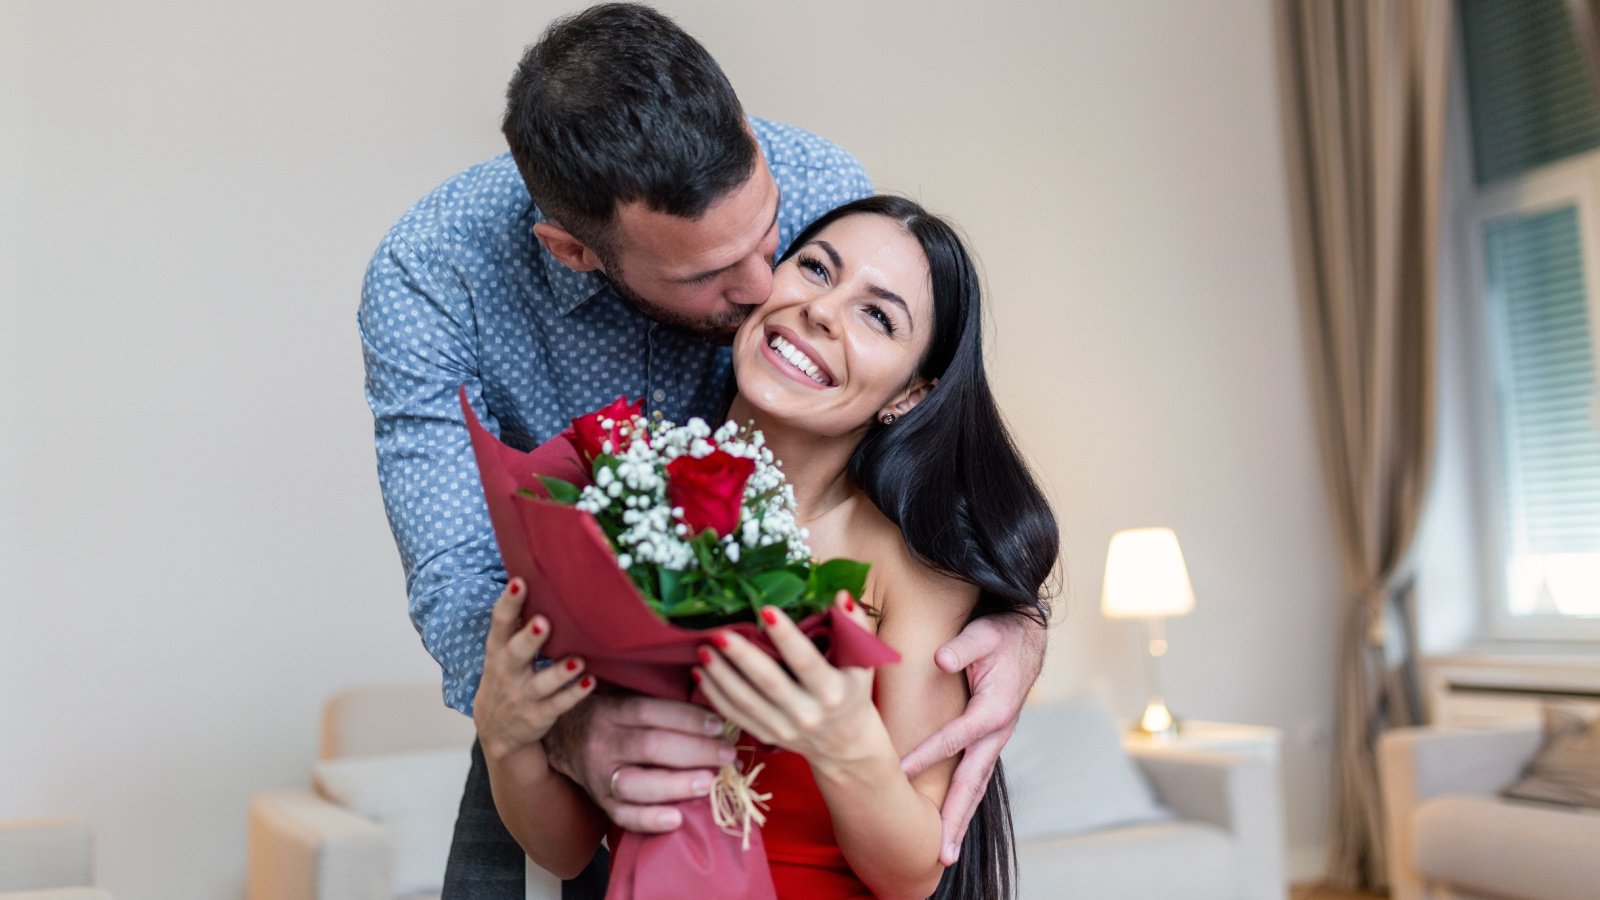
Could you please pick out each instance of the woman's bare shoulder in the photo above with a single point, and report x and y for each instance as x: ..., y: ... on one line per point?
x: 902, y: 579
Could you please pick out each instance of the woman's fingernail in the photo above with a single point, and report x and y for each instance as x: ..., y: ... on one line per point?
x: 669, y: 819
x: 516, y: 587
x: 697, y: 675
x: 587, y: 682
x: 720, y: 639
x: 701, y: 784
x: 727, y: 754
x: 770, y: 616
x: 705, y: 656
x: 536, y: 627
x: 849, y: 603
x: 573, y: 664
x: 713, y: 724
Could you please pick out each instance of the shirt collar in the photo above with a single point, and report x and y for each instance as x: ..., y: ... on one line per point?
x: 569, y: 289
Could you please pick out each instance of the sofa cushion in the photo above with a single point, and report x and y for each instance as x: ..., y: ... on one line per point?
x: 1069, y: 774
x: 1506, y: 848
x: 1169, y: 860
x: 1566, y: 769
x: 414, y: 795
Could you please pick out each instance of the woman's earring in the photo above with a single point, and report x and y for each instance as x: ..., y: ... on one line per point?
x: 887, y: 419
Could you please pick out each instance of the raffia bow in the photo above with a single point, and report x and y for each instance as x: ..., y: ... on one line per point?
x: 735, y: 802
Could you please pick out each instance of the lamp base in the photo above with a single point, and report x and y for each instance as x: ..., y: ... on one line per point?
x: 1157, y: 720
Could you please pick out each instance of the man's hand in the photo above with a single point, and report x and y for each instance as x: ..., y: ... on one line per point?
x: 1002, y: 656
x: 638, y: 755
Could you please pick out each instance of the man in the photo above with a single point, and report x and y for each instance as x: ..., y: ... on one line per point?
x: 627, y: 234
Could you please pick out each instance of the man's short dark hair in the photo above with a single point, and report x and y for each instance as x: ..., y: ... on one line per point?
x: 618, y: 104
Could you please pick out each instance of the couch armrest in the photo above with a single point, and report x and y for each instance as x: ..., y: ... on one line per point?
x: 303, y: 847
x: 1426, y: 762
x: 1417, y: 764
x: 36, y: 854
x: 1239, y: 793
x: 56, y: 894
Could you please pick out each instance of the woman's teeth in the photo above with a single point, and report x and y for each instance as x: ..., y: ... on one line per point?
x: 799, y: 360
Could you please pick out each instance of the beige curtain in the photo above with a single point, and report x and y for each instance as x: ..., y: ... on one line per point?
x: 1364, y: 96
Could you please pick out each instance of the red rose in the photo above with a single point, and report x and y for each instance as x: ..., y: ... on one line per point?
x: 590, y: 436
x: 710, y: 490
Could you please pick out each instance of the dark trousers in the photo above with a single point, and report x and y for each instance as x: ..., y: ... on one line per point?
x: 486, y: 863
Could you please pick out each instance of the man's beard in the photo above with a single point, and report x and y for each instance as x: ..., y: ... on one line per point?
x: 716, y: 329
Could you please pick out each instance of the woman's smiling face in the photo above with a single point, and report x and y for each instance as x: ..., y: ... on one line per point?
x: 839, y: 341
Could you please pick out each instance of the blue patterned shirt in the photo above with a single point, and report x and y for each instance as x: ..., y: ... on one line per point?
x: 460, y: 292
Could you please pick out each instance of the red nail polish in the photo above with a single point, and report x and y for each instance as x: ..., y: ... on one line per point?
x: 705, y: 656
x: 572, y: 665
x: 535, y: 627
x: 720, y: 639
x: 849, y: 603
x: 770, y: 616
x: 516, y: 588
x: 696, y: 674
x: 586, y: 683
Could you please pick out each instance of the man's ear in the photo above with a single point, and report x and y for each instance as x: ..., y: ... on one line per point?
x: 910, y: 397
x: 568, y: 250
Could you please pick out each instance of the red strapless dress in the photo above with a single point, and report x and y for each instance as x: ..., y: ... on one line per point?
x: 805, y: 857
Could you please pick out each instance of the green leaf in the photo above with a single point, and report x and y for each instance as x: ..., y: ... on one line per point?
x: 779, y: 588
x: 671, y: 586
x: 763, y: 558
x: 704, y: 545
x: 835, y: 575
x: 561, y: 491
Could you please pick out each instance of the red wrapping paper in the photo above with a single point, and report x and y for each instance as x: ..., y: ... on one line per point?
x: 596, y: 612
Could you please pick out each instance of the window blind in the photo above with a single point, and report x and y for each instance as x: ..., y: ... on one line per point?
x: 1530, y: 98
x: 1547, y: 383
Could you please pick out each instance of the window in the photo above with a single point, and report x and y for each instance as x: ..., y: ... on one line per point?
x: 1533, y: 221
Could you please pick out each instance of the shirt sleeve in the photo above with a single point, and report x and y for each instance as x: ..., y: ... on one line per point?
x: 419, y: 344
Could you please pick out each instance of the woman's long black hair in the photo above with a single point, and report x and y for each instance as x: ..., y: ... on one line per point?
x: 948, y: 474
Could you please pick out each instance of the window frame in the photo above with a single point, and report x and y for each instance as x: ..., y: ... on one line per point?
x: 1574, y: 181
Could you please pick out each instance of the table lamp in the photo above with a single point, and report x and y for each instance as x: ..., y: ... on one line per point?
x: 1146, y: 579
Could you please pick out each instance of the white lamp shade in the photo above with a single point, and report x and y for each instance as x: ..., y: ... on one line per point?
x: 1145, y: 576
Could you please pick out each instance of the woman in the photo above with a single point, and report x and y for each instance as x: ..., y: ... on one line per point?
x: 864, y: 370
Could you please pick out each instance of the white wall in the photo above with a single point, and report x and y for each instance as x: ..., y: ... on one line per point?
x: 194, y: 550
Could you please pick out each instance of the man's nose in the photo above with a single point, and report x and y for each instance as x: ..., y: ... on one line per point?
x: 753, y: 285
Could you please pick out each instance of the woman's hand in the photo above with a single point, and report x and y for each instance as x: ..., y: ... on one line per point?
x: 821, y: 712
x: 515, y: 704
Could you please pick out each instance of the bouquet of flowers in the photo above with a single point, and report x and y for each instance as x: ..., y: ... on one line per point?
x: 632, y: 537
x: 703, y: 522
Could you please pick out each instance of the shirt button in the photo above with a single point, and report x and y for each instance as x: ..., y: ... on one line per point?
x: 660, y: 395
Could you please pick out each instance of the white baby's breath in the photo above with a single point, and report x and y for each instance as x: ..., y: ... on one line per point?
x: 653, y: 532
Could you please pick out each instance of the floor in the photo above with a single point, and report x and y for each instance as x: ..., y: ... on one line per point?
x: 1313, y: 892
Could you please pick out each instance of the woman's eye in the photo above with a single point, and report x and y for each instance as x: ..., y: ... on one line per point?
x: 882, y: 318
x: 813, y: 266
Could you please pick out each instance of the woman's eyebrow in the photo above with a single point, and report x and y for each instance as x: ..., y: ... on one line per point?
x: 886, y: 294
x: 832, y: 253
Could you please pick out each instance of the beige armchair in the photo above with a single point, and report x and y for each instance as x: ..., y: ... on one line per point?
x: 403, y: 755
x: 47, y: 859
x: 1452, y: 837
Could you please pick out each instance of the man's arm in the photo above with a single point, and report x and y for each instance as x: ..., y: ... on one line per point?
x: 419, y: 344
x: 1002, y: 656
